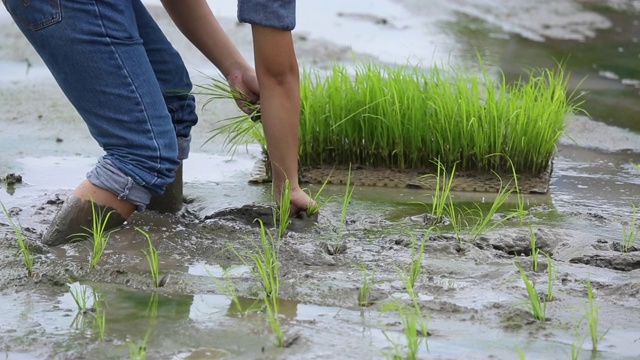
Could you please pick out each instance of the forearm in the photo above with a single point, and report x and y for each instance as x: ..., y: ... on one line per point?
x: 280, y: 109
x: 196, y: 21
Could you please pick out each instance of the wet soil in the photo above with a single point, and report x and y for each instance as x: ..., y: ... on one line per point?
x: 470, y: 287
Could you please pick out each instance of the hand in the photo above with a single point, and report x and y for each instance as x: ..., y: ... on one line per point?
x: 245, y: 82
x: 300, y: 201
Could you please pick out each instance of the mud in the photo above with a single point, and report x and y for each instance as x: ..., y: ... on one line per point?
x: 471, y: 288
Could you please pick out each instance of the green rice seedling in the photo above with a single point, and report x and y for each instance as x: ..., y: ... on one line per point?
x: 537, y: 307
x: 395, y: 351
x: 520, y: 353
x: 81, y: 321
x: 367, y: 284
x: 264, y: 264
x: 227, y: 287
x: 99, y: 316
x: 534, y: 249
x: 315, y: 208
x: 238, y: 130
x: 410, y: 276
x: 268, y: 269
x: 455, y: 219
x: 284, y: 210
x: 417, y: 255
x: 399, y: 117
x: 138, y: 351
x: 630, y: 232
x: 410, y: 324
x: 483, y: 223
x: 273, y: 308
x: 592, y: 316
x: 551, y: 277
x: 97, y: 234
x: 152, y: 258
x: 576, y: 346
x: 520, y: 210
x: 337, y: 246
x: 441, y: 197
x: 27, y: 258
x: 346, y: 200
x: 81, y: 295
x: 100, y: 322
x: 152, y: 307
x: 415, y: 327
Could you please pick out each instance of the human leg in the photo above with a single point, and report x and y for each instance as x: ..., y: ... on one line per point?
x: 278, y: 75
x: 176, y: 87
x: 96, y: 55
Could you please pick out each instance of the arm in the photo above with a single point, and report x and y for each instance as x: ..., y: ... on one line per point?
x: 277, y: 75
x: 196, y: 21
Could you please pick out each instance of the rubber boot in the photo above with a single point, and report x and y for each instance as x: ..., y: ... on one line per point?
x: 73, y: 220
x: 171, y: 201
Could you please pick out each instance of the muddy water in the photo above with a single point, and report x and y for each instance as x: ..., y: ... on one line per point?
x: 470, y: 289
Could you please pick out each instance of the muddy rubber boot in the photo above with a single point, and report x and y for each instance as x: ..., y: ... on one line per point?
x: 171, y: 201
x: 73, y: 217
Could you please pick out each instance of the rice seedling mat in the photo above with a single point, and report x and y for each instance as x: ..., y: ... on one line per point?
x: 464, y: 181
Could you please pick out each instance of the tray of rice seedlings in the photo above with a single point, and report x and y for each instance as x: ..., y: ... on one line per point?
x: 393, y: 125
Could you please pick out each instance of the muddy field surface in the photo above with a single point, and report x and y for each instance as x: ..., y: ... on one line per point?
x: 470, y: 287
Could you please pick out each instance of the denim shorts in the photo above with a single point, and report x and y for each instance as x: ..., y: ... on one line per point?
x: 279, y: 14
x: 127, y: 82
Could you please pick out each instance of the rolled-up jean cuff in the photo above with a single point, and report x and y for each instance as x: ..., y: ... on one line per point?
x: 279, y: 14
x: 184, y: 146
x: 107, y: 176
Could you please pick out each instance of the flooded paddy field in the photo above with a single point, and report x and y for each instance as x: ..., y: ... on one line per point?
x: 470, y: 288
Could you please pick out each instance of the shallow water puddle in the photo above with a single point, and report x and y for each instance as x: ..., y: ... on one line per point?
x: 217, y: 271
x: 206, y: 326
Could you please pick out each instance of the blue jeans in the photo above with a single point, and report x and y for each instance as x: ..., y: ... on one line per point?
x: 127, y: 82
x: 280, y: 14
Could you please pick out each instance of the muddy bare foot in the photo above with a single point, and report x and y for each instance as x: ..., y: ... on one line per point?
x: 75, y: 219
